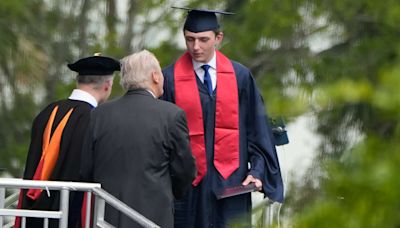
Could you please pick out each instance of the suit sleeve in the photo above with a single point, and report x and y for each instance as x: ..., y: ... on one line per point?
x: 182, y: 163
x: 262, y: 153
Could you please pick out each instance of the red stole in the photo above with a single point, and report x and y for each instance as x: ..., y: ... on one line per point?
x: 226, y: 143
x: 50, y: 151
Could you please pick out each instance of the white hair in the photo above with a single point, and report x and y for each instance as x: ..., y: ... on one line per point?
x: 136, y: 70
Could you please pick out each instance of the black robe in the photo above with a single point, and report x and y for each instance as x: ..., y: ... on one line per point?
x: 200, y: 208
x: 68, y: 163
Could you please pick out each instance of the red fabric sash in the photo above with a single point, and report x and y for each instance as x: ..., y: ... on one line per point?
x: 226, y: 147
x: 50, y: 151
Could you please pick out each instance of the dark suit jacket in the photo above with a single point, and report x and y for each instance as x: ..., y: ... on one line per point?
x: 138, y: 148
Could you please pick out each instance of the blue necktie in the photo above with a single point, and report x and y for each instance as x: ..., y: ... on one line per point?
x: 207, y: 79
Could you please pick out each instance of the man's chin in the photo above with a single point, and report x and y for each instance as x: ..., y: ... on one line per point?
x: 198, y: 58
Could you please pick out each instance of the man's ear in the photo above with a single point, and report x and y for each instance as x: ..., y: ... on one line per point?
x: 154, y: 77
x: 108, y: 85
x: 219, y: 37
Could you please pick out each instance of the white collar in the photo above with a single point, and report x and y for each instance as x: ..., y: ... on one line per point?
x: 212, y: 63
x: 81, y: 95
x: 151, y: 93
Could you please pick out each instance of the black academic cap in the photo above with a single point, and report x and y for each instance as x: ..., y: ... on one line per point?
x: 95, y: 65
x: 200, y: 20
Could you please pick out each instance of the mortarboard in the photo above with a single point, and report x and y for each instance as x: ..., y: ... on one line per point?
x: 95, y: 65
x: 200, y: 20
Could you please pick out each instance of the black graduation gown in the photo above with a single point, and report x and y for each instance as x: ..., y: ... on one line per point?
x: 200, y: 208
x: 68, y: 163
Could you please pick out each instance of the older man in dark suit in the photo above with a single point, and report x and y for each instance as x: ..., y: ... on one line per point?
x: 137, y: 146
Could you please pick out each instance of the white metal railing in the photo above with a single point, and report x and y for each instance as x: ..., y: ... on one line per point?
x: 101, y: 199
x: 268, y: 216
x: 265, y: 207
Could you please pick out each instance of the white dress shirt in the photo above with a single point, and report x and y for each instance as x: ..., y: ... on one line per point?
x: 151, y: 93
x: 80, y: 95
x: 213, y: 70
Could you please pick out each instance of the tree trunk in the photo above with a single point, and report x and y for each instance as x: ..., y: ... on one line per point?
x: 83, y: 22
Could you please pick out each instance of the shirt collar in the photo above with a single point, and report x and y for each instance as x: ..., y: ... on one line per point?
x: 80, y: 95
x: 212, y: 63
x: 151, y: 93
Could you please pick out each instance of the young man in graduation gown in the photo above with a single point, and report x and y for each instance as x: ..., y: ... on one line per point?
x: 137, y: 146
x: 57, y: 138
x: 229, y: 135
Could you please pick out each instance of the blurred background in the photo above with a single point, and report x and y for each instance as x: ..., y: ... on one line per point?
x: 329, y: 68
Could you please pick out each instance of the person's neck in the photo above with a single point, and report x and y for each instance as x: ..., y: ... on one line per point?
x: 153, y: 91
x: 95, y: 93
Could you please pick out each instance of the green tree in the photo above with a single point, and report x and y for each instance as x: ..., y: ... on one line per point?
x: 362, y: 189
x: 22, y: 64
x: 354, y: 87
x: 39, y: 38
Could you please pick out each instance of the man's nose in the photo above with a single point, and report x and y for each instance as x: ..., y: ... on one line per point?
x: 196, y: 45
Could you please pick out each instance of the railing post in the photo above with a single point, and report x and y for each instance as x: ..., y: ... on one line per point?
x: 268, y: 214
x: 101, y: 198
x: 88, y: 208
x: 64, y: 204
x: 2, y: 199
x: 271, y: 215
x: 99, y: 208
x: 263, y: 218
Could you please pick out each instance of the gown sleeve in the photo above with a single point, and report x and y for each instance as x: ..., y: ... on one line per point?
x: 262, y: 152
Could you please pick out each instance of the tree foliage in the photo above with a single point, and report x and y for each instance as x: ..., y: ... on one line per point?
x: 357, y: 110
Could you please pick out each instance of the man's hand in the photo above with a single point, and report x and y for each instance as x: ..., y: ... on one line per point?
x: 250, y: 179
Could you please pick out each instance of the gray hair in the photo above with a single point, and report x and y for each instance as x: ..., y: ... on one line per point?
x: 136, y: 70
x: 95, y: 80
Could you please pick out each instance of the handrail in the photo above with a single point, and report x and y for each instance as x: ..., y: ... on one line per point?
x: 31, y: 213
x: 102, y: 197
x: 51, y: 185
x: 266, y: 207
x: 110, y: 199
x: 11, y: 199
x: 260, y: 205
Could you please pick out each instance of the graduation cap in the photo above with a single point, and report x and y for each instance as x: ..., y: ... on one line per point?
x: 95, y: 65
x: 200, y: 20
